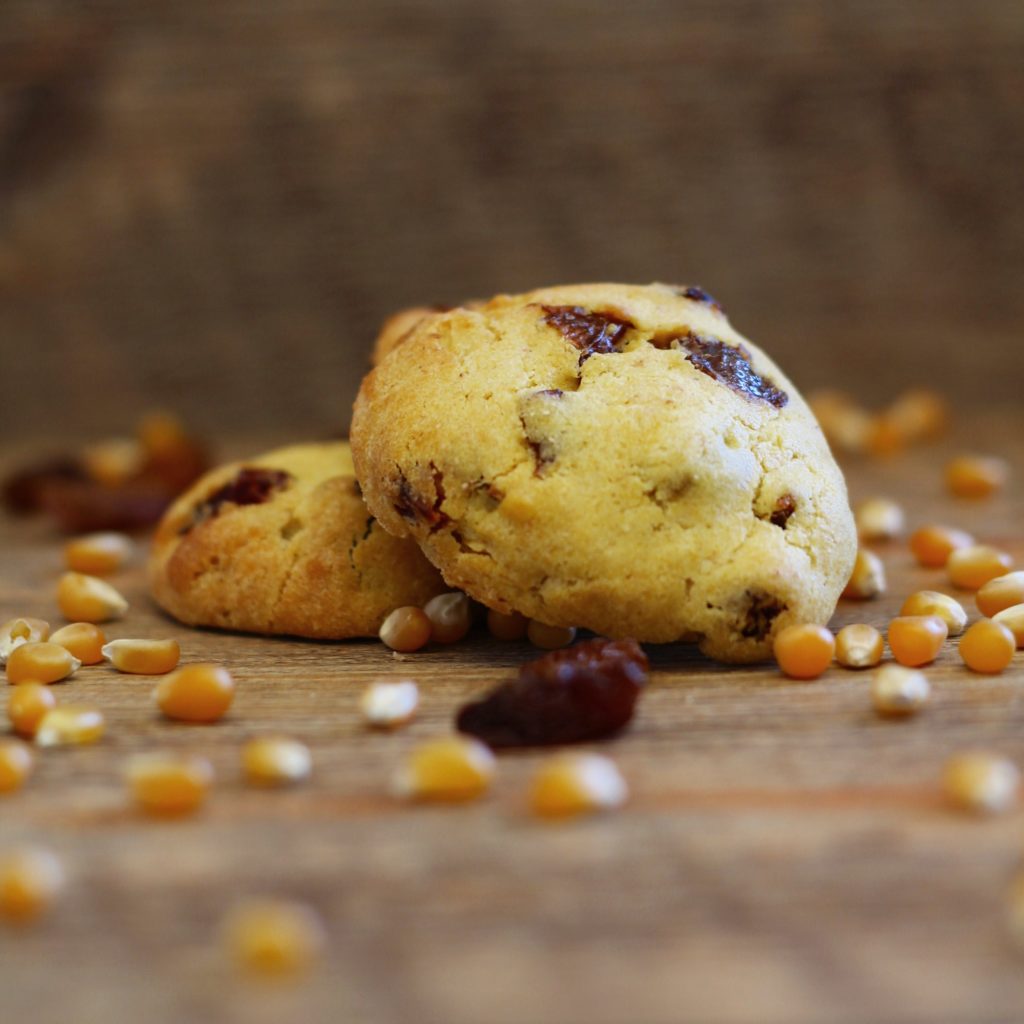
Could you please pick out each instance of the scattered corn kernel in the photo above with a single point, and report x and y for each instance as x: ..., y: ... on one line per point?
x: 30, y: 880
x: 549, y: 638
x: 70, y: 725
x: 15, y: 765
x: 83, y: 639
x: 451, y: 769
x: 976, y: 476
x: 143, y: 657
x: 41, y: 662
x: 389, y: 705
x: 170, y: 784
x: 88, y: 599
x: 920, y: 414
x: 931, y: 602
x: 886, y: 435
x: 1013, y: 620
x: 406, y: 630
x: 98, y: 553
x: 27, y: 705
x: 981, y: 782
x: 896, y: 690
x: 196, y: 693
x: 916, y: 640
x: 988, y: 646
x: 276, y: 761
x: 450, y: 617
x: 971, y: 568
x: 572, y: 784
x: 858, y: 646
x: 999, y: 593
x: 879, y: 519
x: 932, y: 545
x: 113, y: 461
x: 16, y: 632
x: 804, y: 651
x: 868, y: 577
x: 274, y: 937
x: 507, y: 627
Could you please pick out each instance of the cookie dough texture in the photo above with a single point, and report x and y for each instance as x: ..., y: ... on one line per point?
x: 613, y: 457
x: 301, y: 555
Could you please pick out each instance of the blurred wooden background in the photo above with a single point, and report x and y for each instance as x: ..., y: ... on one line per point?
x: 210, y: 204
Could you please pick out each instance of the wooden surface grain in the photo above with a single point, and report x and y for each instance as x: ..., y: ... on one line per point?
x: 786, y: 856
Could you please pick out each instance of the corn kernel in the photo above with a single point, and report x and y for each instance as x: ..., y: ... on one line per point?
x: 981, y: 783
x: 971, y: 568
x: 1013, y: 620
x: 451, y: 769
x: 899, y: 691
x: 70, y: 725
x: 406, y: 630
x: 162, y: 435
x: 41, y: 662
x: 976, y: 476
x: 143, y: 657
x: 450, y: 617
x: 879, y: 519
x: 30, y: 880
x: 389, y: 705
x: 573, y: 784
x: 999, y: 593
x: 886, y: 435
x: 858, y: 646
x: 170, y: 784
x: 15, y: 765
x: 867, y: 579
x: 549, y: 638
x: 987, y: 646
x: 916, y: 640
x: 113, y: 461
x: 507, y: 627
x: 931, y: 602
x: 98, y: 553
x: 89, y: 599
x: 196, y: 693
x: 274, y: 937
x: 83, y: 639
x: 276, y: 761
x: 932, y: 545
x: 16, y: 632
x: 920, y: 414
x: 804, y: 651
x: 27, y: 705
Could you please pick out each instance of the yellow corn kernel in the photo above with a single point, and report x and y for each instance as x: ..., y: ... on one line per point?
x: 931, y: 602
x: 971, y: 568
x: 916, y: 640
x: 196, y: 693
x: 982, y: 783
x: 932, y: 545
x: 879, y: 519
x: 30, y: 880
x: 89, y: 599
x: 867, y: 579
x: 1000, y: 593
x: 276, y: 761
x: 27, y: 705
x: 507, y: 627
x: 406, y: 630
x: 16, y: 632
x: 41, y: 662
x: 804, y: 650
x: 1013, y: 620
x: 451, y: 769
x: 70, y: 725
x: 920, y: 414
x: 390, y: 705
x: 83, y: 639
x: 859, y: 646
x: 274, y: 937
x: 450, y: 615
x: 143, y: 657
x: 169, y: 784
x: 976, y: 476
x: 114, y: 461
x: 899, y: 691
x: 98, y: 553
x: 987, y: 646
x: 15, y: 765
x: 549, y: 638
x: 572, y: 784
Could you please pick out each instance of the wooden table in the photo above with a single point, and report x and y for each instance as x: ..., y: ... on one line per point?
x: 786, y: 856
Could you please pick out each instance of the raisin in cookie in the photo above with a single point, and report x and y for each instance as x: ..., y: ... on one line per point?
x: 613, y: 457
x: 283, y: 543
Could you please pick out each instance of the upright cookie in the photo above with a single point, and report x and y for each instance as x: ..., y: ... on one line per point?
x: 283, y: 543
x: 613, y: 457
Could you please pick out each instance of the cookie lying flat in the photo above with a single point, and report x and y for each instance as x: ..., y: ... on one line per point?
x: 612, y: 457
x: 283, y: 543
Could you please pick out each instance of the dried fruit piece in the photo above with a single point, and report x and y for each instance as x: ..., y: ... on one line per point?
x: 249, y: 486
x: 730, y: 365
x: 593, y: 333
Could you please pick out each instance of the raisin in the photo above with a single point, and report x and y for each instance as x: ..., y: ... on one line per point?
x: 249, y: 486
x: 574, y: 695
x: 785, y: 506
x: 762, y: 611
x: 697, y: 294
x: 411, y: 505
x: 86, y: 506
x: 729, y: 365
x: 23, y: 490
x: 591, y: 332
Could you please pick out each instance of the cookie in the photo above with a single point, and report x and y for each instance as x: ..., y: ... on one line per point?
x: 613, y: 457
x: 398, y: 327
x: 283, y: 543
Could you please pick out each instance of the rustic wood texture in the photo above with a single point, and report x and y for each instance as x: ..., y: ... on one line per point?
x: 786, y: 856
x: 214, y: 203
